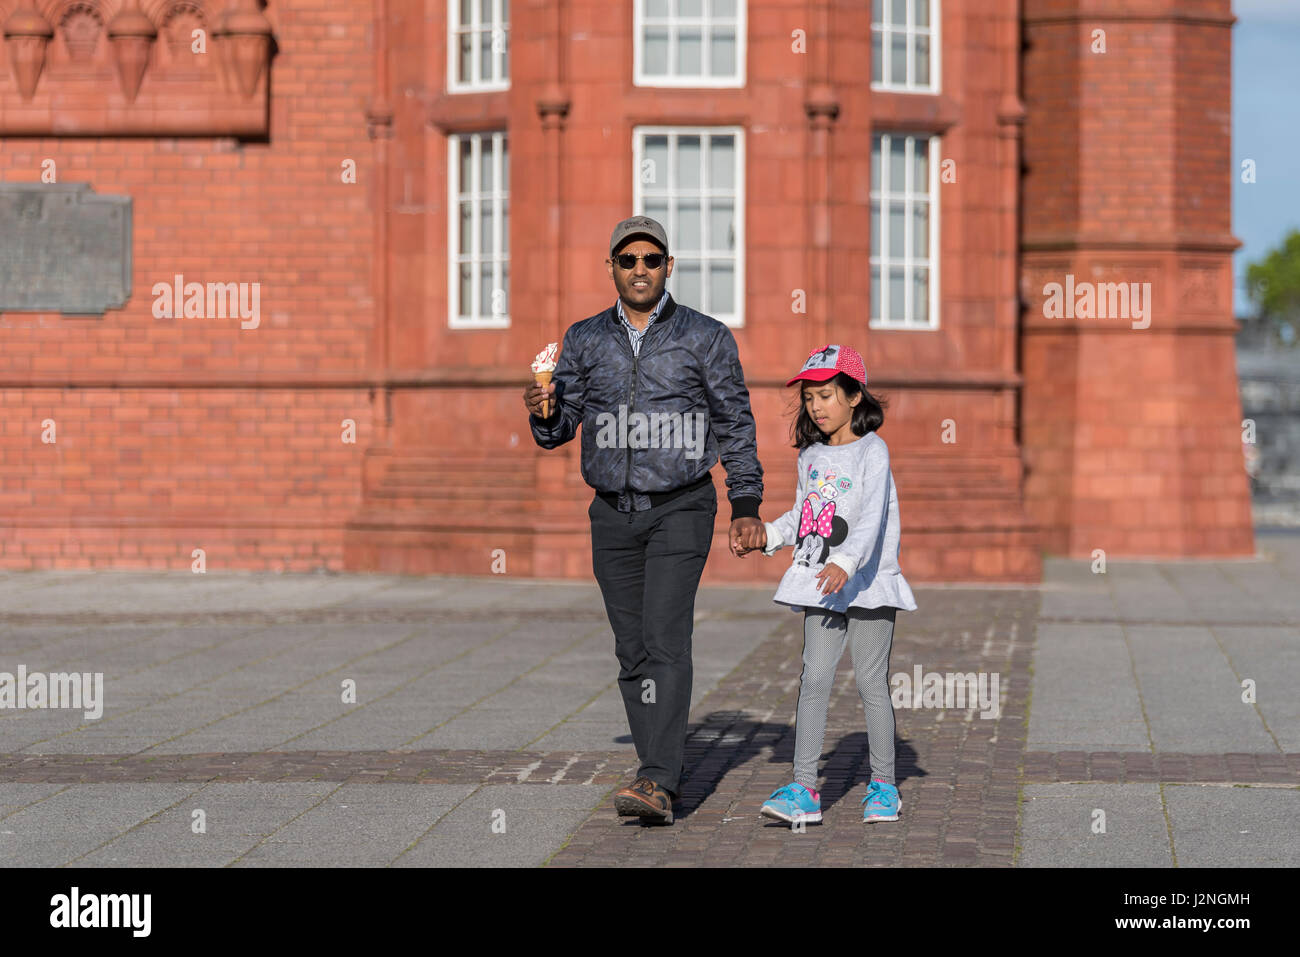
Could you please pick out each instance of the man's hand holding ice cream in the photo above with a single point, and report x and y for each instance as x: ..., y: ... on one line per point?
x: 537, y: 397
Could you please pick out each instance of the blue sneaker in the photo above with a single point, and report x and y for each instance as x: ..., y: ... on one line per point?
x: 793, y: 804
x: 882, y: 803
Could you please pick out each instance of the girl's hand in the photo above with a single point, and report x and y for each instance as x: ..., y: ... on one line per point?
x: 831, y: 578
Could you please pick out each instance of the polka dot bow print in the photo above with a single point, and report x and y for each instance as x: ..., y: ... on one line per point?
x: 821, y: 525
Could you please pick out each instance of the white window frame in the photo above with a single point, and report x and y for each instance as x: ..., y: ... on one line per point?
x: 705, y: 22
x: 911, y: 31
x: 495, y: 20
x: 456, y: 257
x: 734, y: 319
x: 878, y: 243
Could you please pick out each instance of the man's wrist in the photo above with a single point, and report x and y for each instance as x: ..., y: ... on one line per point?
x: 745, y: 506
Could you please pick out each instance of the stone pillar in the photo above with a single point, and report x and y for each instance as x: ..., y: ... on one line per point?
x: 821, y: 107
x: 1131, y: 413
x: 557, y: 550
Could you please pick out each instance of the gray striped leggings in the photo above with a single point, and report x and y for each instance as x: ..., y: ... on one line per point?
x: 869, y: 632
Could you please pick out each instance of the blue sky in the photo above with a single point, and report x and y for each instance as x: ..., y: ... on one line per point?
x: 1265, y: 128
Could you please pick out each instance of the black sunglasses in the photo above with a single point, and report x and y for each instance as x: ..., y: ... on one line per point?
x: 652, y: 260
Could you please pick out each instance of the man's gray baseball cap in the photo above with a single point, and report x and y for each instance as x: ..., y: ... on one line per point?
x: 638, y: 226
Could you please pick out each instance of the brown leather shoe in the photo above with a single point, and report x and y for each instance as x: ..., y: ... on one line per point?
x: 646, y: 800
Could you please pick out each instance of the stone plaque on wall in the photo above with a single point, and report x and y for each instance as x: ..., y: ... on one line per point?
x: 63, y: 249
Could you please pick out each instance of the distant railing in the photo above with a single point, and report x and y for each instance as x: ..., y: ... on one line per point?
x: 1269, y: 378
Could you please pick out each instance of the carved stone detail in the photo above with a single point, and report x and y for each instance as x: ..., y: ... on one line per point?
x: 108, y: 74
x: 246, y: 44
x: 81, y: 27
x: 27, y: 34
x: 178, y: 28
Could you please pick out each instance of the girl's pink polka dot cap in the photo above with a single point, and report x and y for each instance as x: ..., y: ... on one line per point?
x: 825, y: 362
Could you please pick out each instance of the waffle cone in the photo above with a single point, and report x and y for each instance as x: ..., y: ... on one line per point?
x: 544, y: 378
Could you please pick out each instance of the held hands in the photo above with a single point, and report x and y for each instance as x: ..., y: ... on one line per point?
x: 831, y: 578
x: 747, y: 534
x: 533, y: 396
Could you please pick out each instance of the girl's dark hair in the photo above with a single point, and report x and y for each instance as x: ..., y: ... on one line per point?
x: 868, y: 415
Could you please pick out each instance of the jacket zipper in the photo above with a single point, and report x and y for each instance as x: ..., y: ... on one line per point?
x: 627, y: 479
x: 636, y: 356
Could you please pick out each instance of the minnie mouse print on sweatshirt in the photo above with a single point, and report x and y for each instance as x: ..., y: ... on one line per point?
x: 846, y: 512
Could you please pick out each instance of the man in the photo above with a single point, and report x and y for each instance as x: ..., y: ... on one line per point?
x: 660, y: 395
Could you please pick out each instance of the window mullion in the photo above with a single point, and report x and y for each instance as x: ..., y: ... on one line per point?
x: 883, y: 247
x: 910, y: 48
x: 474, y: 24
x: 706, y: 44
x: 671, y: 225
x: 932, y: 253
x: 498, y: 241
x: 493, y: 24
x: 476, y: 225
x: 453, y: 239
x: 909, y: 157
x: 638, y: 160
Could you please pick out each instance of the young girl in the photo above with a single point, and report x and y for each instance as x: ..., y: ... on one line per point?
x: 844, y: 577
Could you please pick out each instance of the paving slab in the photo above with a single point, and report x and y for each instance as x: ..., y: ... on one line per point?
x: 504, y: 826
x: 1061, y: 826
x: 1223, y: 826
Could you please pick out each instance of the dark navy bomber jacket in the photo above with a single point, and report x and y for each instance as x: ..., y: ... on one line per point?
x: 688, y: 366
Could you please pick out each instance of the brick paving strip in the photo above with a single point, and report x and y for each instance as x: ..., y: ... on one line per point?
x: 580, y: 767
x: 959, y: 774
x: 403, y: 767
x: 1167, y: 767
x: 290, y: 616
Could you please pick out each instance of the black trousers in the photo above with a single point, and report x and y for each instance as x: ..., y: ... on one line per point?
x: 648, y: 570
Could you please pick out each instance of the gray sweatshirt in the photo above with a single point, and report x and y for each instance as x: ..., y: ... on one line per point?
x: 846, y: 512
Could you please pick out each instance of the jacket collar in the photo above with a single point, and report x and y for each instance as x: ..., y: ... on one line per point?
x: 621, y: 311
x: 666, y: 314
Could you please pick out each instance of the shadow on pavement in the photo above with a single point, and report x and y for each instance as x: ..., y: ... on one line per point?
x: 725, y: 740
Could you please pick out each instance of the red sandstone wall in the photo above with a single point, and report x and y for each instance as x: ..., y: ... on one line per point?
x: 1132, y: 435
x: 175, y: 434
x: 252, y: 467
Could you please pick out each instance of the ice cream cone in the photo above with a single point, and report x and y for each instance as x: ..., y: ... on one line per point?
x: 544, y: 379
x: 543, y: 367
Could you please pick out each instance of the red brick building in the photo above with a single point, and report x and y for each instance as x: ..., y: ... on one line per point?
x: 415, y: 197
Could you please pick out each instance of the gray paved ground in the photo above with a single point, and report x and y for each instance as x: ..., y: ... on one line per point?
x: 487, y: 729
